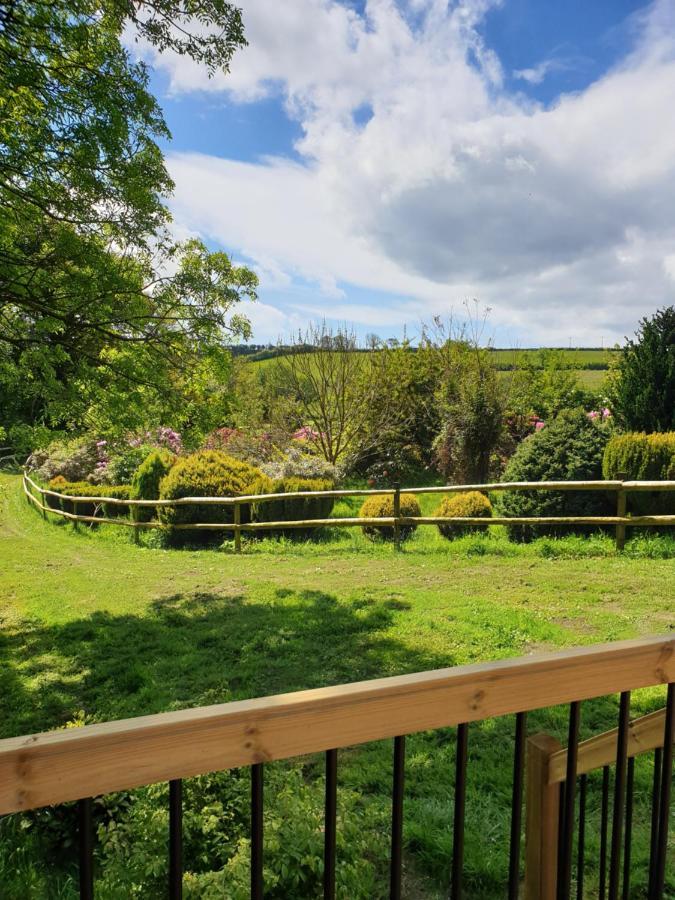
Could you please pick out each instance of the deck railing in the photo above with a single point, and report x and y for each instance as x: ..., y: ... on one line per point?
x: 78, y: 764
x: 619, y: 521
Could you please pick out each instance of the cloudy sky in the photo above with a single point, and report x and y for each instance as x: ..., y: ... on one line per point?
x: 379, y: 162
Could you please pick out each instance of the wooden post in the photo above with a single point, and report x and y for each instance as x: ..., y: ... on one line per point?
x: 621, y: 511
x: 76, y: 526
x: 541, y: 822
x: 237, y: 529
x: 397, y: 514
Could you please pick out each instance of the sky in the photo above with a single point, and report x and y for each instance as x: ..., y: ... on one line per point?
x: 382, y: 162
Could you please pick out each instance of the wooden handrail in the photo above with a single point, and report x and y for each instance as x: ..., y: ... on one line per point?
x: 645, y: 733
x: 58, y: 766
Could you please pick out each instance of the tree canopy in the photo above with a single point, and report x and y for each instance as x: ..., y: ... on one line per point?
x: 94, y: 291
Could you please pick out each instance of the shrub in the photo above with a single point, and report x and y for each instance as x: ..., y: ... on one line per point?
x: 117, y: 492
x: 643, y: 457
x: 146, y: 480
x: 642, y: 385
x: 85, y: 489
x: 570, y: 448
x: 382, y: 506
x: 295, y: 463
x: 122, y: 463
x: 208, y: 473
x: 74, y: 459
x: 296, y: 508
x: 470, y: 504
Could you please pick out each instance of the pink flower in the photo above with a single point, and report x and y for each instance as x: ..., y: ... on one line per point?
x: 593, y: 414
x: 101, y: 443
x: 606, y: 413
x: 538, y: 425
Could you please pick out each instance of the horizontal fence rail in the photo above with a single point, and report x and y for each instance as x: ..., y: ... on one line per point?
x: 80, y: 764
x: 618, y: 521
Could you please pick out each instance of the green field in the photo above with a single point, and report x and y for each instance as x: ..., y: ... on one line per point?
x: 579, y: 361
x: 95, y: 628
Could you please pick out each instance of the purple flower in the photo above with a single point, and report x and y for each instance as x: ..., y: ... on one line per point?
x: 101, y: 443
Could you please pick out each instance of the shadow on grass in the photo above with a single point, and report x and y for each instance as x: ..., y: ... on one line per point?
x: 193, y: 649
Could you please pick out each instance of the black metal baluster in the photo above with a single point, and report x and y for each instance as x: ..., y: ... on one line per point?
x: 604, y: 818
x: 330, y: 825
x: 256, y: 831
x: 397, y: 819
x: 567, y: 837
x: 561, y: 822
x: 175, y: 839
x: 654, y: 834
x: 619, y: 796
x: 664, y: 800
x: 581, y: 839
x: 629, y: 827
x: 86, y: 847
x: 460, y: 805
x: 517, y: 805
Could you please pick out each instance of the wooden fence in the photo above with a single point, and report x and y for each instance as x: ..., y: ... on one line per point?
x: 79, y: 763
x: 620, y: 488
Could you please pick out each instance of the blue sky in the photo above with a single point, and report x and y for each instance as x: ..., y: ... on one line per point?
x: 379, y: 163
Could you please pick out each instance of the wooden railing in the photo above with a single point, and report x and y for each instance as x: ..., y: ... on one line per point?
x: 77, y: 764
x: 620, y: 488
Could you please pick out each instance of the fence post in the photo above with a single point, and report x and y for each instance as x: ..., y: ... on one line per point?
x: 237, y: 527
x: 397, y: 514
x: 621, y: 511
x: 76, y: 525
x: 541, y: 821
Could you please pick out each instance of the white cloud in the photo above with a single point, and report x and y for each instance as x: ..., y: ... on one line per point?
x: 562, y: 219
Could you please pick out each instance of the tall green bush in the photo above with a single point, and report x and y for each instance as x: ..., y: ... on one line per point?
x: 208, y: 473
x: 643, y: 457
x: 146, y: 480
x: 570, y: 448
x: 642, y: 386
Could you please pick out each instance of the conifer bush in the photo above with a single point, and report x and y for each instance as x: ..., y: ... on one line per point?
x: 637, y: 456
x: 469, y: 504
x: 146, y: 480
x: 569, y: 448
x: 296, y: 508
x: 382, y: 507
x: 208, y: 473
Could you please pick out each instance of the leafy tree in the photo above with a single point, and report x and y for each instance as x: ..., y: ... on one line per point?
x: 94, y: 294
x: 544, y: 383
x: 642, y: 384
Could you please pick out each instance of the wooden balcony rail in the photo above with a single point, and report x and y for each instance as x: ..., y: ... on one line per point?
x: 619, y: 521
x: 77, y: 764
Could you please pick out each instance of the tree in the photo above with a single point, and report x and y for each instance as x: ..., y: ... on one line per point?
x: 328, y: 386
x: 642, y: 385
x: 93, y: 291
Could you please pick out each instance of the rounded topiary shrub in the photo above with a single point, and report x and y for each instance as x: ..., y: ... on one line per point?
x: 637, y: 456
x: 208, y: 473
x: 294, y: 509
x: 570, y: 448
x: 469, y: 504
x: 146, y: 480
x: 382, y: 507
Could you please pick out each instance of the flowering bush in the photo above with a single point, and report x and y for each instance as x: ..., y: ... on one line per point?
x: 160, y: 437
x: 76, y: 459
x: 253, y: 448
x: 295, y: 463
x: 220, y: 438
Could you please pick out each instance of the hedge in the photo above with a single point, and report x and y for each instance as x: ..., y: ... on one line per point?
x: 643, y: 457
x: 296, y: 508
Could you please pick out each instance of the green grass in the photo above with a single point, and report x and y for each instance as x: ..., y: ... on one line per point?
x: 95, y: 628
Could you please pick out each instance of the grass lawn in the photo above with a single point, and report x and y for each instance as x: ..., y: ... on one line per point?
x: 95, y: 628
